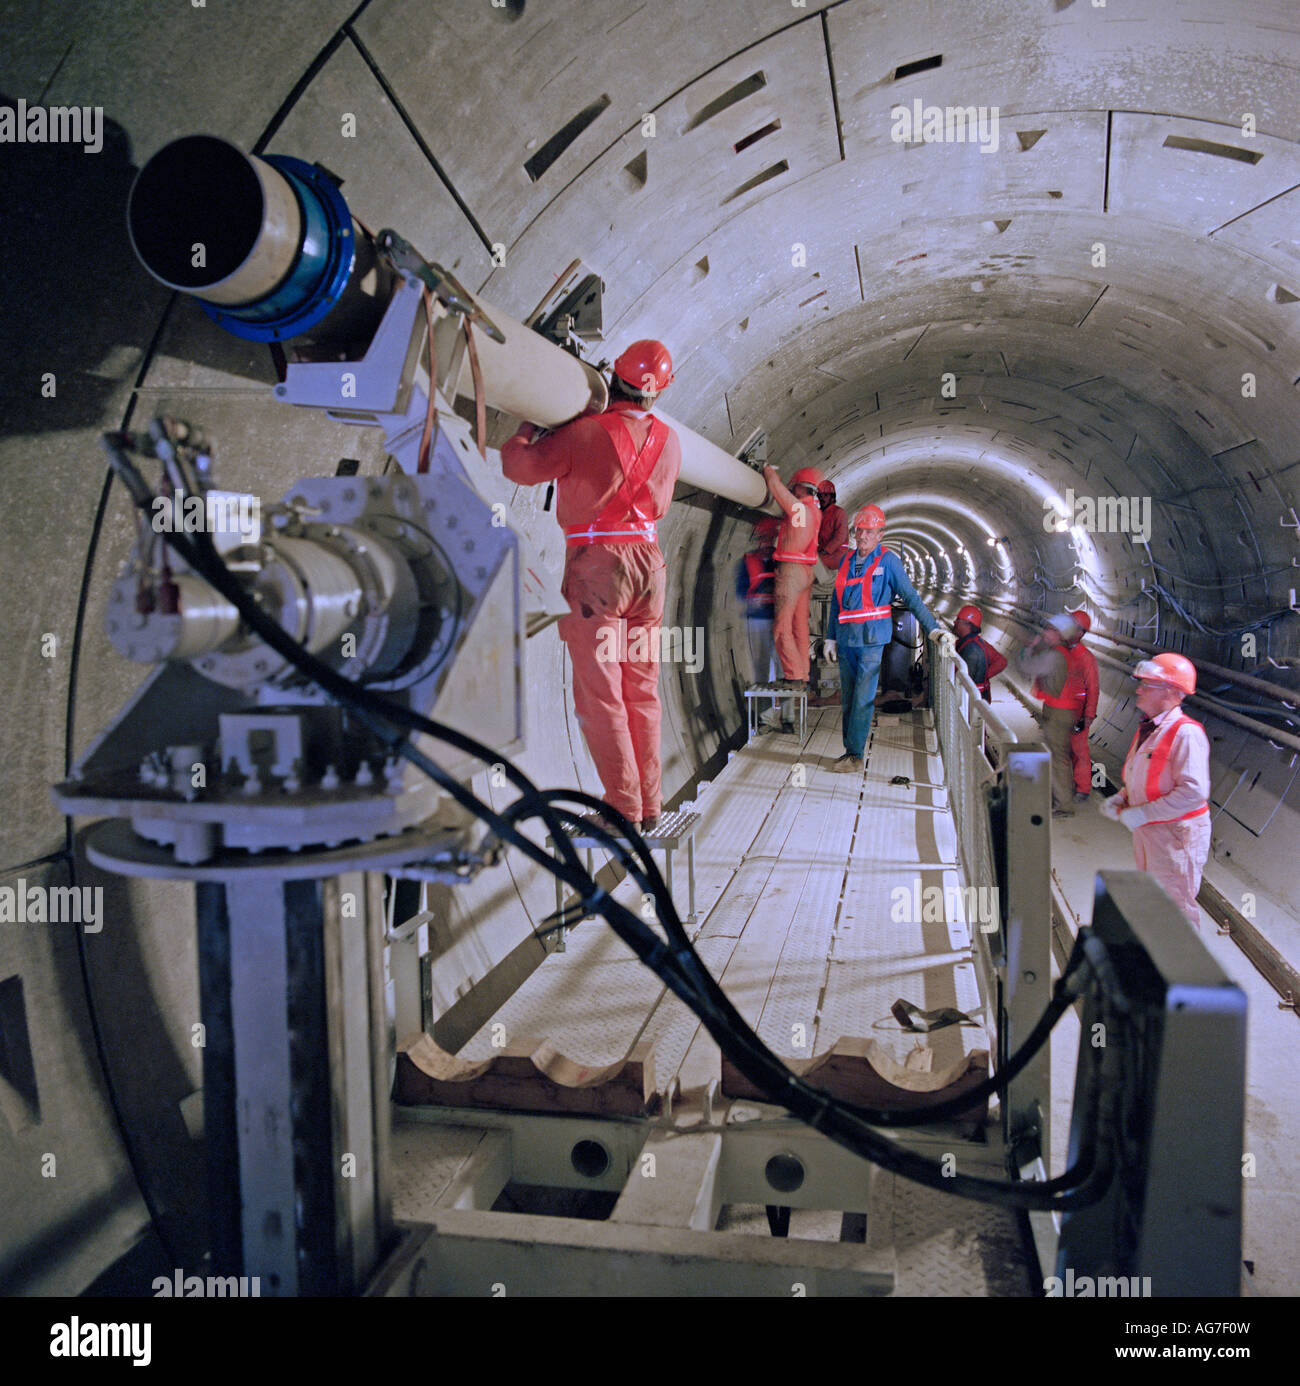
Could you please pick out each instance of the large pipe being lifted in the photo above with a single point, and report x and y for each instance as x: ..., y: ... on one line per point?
x: 272, y: 252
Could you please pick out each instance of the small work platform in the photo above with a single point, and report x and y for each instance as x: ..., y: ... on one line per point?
x: 775, y: 693
x: 666, y: 836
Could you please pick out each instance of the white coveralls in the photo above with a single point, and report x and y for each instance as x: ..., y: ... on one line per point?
x: 1165, y: 801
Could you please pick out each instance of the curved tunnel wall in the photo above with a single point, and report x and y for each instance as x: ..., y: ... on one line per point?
x: 1098, y: 288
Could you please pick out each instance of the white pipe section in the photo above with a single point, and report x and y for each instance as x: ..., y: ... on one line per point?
x: 706, y: 465
x: 531, y: 378
x: 528, y: 377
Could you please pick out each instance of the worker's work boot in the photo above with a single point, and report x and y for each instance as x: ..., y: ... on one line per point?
x: 848, y: 764
x: 648, y: 825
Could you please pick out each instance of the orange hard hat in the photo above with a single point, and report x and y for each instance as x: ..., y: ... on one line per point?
x: 1172, y: 670
x: 645, y: 366
x: 767, y: 528
x: 971, y: 614
x: 869, y: 517
x: 806, y: 476
x: 1081, y: 619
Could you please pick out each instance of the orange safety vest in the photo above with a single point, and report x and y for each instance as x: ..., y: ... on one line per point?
x: 866, y: 612
x: 1157, y: 748
x: 791, y: 533
x: 622, y: 521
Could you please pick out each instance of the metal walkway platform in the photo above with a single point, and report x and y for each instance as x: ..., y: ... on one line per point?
x: 823, y: 898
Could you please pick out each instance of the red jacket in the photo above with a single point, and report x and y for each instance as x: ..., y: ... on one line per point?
x: 580, y: 457
x: 1079, y: 692
x: 833, y: 537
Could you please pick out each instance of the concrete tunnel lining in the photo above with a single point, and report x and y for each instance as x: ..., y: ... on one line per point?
x: 1122, y: 377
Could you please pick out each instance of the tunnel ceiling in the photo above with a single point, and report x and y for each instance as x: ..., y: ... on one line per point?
x: 1097, y: 271
x: 1098, y: 285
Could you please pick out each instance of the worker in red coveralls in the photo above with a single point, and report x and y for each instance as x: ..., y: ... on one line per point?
x: 615, y: 474
x: 1069, y: 696
x: 833, y: 544
x: 796, y: 556
x: 1083, y: 674
x: 1165, y: 799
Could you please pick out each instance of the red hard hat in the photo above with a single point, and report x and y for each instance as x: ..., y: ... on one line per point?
x: 971, y: 614
x: 1081, y: 619
x: 645, y: 366
x: 1172, y: 670
x: 869, y: 517
x: 827, y: 488
x: 767, y: 528
x: 806, y: 476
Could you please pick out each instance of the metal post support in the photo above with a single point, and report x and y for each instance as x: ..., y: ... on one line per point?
x: 1171, y: 1217
x: 1027, y: 986
x: 262, y: 1069
x: 220, y: 1137
x: 295, y: 1083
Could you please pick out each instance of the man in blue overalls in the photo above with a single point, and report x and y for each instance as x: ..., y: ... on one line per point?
x: 861, y: 626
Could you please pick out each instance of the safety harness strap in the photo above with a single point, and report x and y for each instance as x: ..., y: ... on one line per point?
x: 623, y: 521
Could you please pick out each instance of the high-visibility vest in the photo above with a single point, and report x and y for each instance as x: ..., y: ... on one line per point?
x: 788, y: 542
x: 867, y: 612
x: 1157, y: 748
x: 623, y: 520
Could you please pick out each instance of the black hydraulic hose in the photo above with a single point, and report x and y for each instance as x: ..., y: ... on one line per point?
x: 525, y: 807
x: 837, y: 1120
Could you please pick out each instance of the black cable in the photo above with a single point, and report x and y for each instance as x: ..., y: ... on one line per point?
x: 689, y: 980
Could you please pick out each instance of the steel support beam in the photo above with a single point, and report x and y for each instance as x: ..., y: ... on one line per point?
x: 502, y: 1255
x: 1028, y: 970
